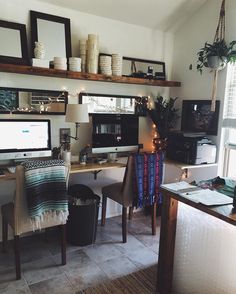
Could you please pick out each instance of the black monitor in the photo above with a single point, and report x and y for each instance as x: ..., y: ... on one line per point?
x: 197, y: 117
x: 115, y: 133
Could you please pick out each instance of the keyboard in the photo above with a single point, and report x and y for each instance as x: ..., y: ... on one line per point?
x: 11, y: 169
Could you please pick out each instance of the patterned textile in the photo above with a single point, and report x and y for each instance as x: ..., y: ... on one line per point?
x: 148, y: 175
x: 46, y: 190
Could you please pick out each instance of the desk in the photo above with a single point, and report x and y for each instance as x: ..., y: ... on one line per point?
x: 94, y: 167
x: 78, y: 168
x: 168, y: 231
x: 184, y: 167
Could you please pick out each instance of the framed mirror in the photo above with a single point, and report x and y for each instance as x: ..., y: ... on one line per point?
x: 116, y: 104
x: 142, y: 68
x: 53, y: 31
x: 13, y: 47
x: 31, y: 101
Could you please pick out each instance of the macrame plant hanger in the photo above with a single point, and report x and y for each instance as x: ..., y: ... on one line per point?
x: 219, y: 36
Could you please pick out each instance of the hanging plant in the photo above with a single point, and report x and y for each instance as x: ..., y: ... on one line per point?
x: 216, y: 55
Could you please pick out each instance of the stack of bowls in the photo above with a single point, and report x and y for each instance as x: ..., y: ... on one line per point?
x: 60, y: 63
x: 82, y: 53
x: 116, y: 65
x: 105, y: 65
x: 75, y: 64
x: 92, y: 53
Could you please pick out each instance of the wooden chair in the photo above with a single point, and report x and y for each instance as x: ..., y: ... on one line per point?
x: 123, y: 193
x: 16, y: 215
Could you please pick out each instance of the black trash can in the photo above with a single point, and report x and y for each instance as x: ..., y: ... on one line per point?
x: 83, y: 215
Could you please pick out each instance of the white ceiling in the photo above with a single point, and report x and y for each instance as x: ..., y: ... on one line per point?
x: 156, y: 14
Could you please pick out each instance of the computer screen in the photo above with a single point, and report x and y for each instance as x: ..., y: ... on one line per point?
x: 24, y: 138
x: 197, y: 117
x: 115, y: 133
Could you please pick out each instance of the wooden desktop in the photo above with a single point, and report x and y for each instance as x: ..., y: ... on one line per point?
x: 76, y: 168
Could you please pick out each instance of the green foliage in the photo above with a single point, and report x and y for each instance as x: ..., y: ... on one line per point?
x: 218, y: 48
x: 164, y: 115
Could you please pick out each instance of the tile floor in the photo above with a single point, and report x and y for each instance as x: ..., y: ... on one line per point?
x: 86, y: 266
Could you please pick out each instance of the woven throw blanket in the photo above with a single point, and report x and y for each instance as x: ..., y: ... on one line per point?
x: 46, y: 191
x: 149, y: 171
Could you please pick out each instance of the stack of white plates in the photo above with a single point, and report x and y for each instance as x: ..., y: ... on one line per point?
x: 92, y: 53
x: 60, y: 63
x: 82, y: 53
x: 75, y: 64
x: 116, y: 65
x: 105, y: 65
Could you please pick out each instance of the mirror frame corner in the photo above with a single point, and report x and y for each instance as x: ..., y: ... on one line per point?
x: 35, y: 15
x: 24, y: 59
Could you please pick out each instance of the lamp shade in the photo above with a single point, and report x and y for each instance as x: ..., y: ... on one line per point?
x: 77, y: 113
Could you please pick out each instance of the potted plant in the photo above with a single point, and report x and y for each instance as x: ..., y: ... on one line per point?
x: 216, y: 55
x: 164, y: 116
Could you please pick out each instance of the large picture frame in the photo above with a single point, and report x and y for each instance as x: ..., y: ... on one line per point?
x: 143, y: 68
x: 13, y: 47
x: 114, y: 103
x: 53, y: 31
x: 32, y: 101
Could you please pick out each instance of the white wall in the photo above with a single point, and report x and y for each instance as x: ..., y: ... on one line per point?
x: 187, y: 42
x: 137, y: 42
x: 115, y: 36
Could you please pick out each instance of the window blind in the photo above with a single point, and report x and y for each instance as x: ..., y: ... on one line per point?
x: 229, y: 119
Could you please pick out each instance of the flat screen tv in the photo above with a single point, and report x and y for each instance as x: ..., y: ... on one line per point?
x: 24, y: 138
x: 197, y: 117
x: 115, y: 133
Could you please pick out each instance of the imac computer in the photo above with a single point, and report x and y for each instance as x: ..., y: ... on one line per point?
x: 24, y: 138
x: 115, y: 133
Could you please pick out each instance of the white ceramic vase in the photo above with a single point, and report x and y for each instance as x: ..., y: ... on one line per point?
x: 39, y: 50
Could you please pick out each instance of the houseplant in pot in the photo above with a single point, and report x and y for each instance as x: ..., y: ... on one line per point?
x: 216, y: 55
x: 164, y: 116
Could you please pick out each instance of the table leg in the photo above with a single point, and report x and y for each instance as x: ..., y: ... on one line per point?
x: 167, y: 244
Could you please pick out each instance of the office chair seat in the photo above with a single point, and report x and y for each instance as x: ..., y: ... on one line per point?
x: 127, y: 195
x: 114, y: 192
x: 16, y: 215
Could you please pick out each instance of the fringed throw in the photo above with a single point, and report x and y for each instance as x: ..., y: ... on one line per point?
x: 46, y: 191
x: 149, y: 170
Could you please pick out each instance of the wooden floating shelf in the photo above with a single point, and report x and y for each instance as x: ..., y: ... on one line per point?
x: 56, y: 73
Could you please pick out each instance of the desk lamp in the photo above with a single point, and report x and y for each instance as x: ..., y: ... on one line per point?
x: 77, y: 113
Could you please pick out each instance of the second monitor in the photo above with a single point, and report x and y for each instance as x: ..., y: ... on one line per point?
x: 115, y: 133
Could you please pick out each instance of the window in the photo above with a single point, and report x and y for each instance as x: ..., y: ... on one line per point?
x: 229, y: 123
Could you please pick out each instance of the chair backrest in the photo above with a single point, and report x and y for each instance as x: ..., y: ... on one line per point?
x: 136, y: 184
x: 128, y: 180
x: 21, y: 215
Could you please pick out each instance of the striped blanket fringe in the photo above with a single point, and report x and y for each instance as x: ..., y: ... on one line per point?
x: 148, y: 175
x: 46, y: 191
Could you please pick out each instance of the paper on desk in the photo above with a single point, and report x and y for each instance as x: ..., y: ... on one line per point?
x: 207, y: 197
x: 178, y: 186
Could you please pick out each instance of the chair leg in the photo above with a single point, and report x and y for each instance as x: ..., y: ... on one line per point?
x: 17, y: 256
x: 4, y: 234
x: 63, y: 244
x: 131, y: 210
x: 104, y: 208
x: 124, y: 224
x: 154, y: 220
